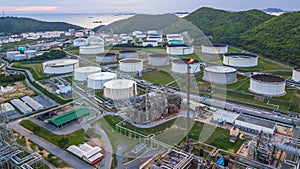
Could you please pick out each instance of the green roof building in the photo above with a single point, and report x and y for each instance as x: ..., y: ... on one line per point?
x: 70, y: 116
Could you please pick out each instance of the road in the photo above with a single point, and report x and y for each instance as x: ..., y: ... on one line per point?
x: 65, y: 156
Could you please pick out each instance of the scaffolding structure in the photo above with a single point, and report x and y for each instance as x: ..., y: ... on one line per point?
x: 11, y: 157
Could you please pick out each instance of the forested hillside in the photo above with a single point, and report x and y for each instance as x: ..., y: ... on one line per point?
x: 141, y: 22
x: 17, y: 25
x: 276, y: 37
x: 224, y: 26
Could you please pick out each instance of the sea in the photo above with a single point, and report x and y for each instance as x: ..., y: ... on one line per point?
x: 83, y: 20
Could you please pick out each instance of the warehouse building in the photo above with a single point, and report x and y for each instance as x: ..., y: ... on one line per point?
x: 255, y: 125
x: 32, y: 103
x: 11, y: 54
x: 88, y: 153
x: 8, y: 109
x: 21, y: 106
x: 68, y: 117
x: 223, y: 116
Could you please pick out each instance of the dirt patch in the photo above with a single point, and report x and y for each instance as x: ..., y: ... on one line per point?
x: 19, y: 90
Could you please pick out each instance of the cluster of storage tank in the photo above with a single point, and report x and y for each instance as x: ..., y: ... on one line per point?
x: 113, y: 88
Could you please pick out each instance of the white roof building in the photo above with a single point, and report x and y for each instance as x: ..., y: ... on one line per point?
x: 32, y: 103
x: 87, y: 152
x: 8, y: 108
x: 24, y: 108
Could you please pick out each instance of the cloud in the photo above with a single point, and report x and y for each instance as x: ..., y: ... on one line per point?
x: 30, y: 8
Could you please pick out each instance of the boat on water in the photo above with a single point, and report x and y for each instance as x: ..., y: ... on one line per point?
x: 97, y: 21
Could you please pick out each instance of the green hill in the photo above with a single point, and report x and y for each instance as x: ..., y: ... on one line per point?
x: 15, y: 25
x: 224, y: 26
x: 141, y: 22
x: 278, y: 38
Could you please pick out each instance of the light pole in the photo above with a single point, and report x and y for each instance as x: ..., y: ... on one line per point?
x: 188, y: 100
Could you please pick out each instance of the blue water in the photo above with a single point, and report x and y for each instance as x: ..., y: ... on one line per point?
x: 84, y: 20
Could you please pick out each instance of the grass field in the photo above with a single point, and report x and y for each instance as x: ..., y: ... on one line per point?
x: 174, y: 130
x: 36, y: 70
x: 158, y: 77
x: 75, y: 138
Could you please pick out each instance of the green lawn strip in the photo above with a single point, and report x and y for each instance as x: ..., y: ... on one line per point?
x: 75, y: 138
x: 34, y: 68
x: 173, y: 130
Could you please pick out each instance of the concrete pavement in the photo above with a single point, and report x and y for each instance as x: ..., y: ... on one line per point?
x: 65, y: 156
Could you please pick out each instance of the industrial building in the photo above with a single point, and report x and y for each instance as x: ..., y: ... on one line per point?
x: 126, y: 54
x: 106, y: 58
x: 155, y: 37
x: 81, y: 73
x: 150, y: 43
x: 240, y: 59
x: 131, y: 65
x: 96, y: 81
x: 158, y: 59
x: 8, y: 109
x: 223, y: 116
x: 253, y: 124
x: 220, y: 74
x: 180, y: 66
x: 80, y: 42
x: 91, y: 49
x: 120, y: 89
x: 11, y: 54
x: 15, y: 56
x: 68, y: 117
x: 21, y: 106
x: 215, y: 48
x: 176, y: 37
x: 179, y: 49
x: 30, y: 53
x: 296, y: 74
x: 60, y: 66
x: 88, y: 153
x: 32, y: 103
x: 268, y: 85
x: 172, y: 159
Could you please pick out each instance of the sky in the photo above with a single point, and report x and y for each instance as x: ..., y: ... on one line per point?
x: 138, y: 6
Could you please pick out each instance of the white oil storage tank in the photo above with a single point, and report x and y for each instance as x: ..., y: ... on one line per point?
x: 91, y: 49
x: 81, y: 73
x: 220, y: 74
x: 296, y: 74
x: 131, y: 65
x: 215, y: 48
x: 240, y: 59
x: 106, y: 58
x: 79, y: 42
x: 179, y: 49
x: 96, y: 81
x: 120, y: 89
x: 158, y: 59
x: 268, y: 85
x: 124, y: 54
x: 60, y: 66
x: 180, y: 66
